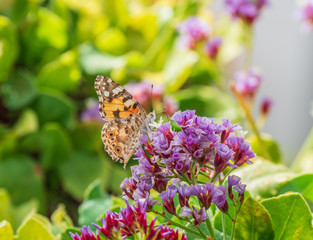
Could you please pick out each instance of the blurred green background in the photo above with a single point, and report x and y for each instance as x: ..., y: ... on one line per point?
x: 50, y: 53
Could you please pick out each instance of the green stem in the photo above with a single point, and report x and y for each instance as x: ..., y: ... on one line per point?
x: 234, y: 223
x: 179, y: 225
x: 192, y: 170
x: 251, y: 121
x: 229, y: 172
x: 210, y: 228
x: 214, y: 176
x: 224, y: 226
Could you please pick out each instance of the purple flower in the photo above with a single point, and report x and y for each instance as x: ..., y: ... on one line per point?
x: 266, y: 106
x: 241, y: 188
x: 246, y: 10
x: 222, y: 157
x: 242, y: 150
x: 226, y: 128
x: 192, y: 30
x: 91, y: 113
x: 199, y: 216
x: 184, y: 193
x: 204, y: 193
x: 219, y: 199
x: 184, y: 119
x: 167, y: 199
x: 233, y: 180
x: 305, y: 14
x: 247, y: 83
x: 212, y: 47
x: 87, y: 234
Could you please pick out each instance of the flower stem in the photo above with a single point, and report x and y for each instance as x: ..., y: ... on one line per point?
x: 229, y: 172
x: 234, y: 223
x: 210, y: 228
x: 224, y: 226
x: 180, y: 225
x: 251, y: 121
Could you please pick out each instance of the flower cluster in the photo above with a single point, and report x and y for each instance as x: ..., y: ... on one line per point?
x: 247, y: 83
x: 130, y: 221
x: 194, y: 31
x: 305, y: 14
x: 201, y: 146
x: 246, y: 10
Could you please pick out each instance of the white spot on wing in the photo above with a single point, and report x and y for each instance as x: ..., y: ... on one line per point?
x: 106, y: 93
x: 128, y: 102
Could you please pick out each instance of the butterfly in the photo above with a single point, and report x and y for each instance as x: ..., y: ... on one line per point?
x: 125, y: 119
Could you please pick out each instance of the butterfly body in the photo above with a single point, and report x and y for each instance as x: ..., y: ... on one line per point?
x: 125, y: 119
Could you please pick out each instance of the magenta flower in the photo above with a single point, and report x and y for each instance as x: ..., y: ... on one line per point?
x: 195, y: 28
x: 247, y: 83
x: 110, y: 225
x: 266, y: 105
x: 305, y: 14
x: 233, y: 180
x: 87, y: 234
x: 212, y: 47
x: 246, y: 10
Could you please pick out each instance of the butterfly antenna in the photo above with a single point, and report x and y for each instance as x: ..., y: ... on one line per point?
x: 151, y: 89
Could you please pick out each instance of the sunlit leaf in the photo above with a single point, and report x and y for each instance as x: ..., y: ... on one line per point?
x: 62, y: 74
x: 291, y: 217
x: 264, y: 178
x: 253, y: 222
x: 6, y: 231
x: 8, y: 47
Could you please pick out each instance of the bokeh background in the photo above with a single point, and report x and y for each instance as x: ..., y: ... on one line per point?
x: 51, y: 52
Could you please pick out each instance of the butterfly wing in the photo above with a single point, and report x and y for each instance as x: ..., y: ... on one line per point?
x: 114, y: 101
x: 123, y: 117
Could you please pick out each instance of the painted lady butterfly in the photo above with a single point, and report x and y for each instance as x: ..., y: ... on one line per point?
x: 125, y: 119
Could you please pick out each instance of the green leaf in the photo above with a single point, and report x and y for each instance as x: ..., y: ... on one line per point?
x: 19, y: 176
x: 80, y: 170
x: 6, y: 231
x: 112, y: 41
x: 291, y: 217
x: 62, y: 74
x: 5, y: 206
x: 302, y: 184
x: 208, y: 101
x: 303, y: 162
x: 264, y: 178
x: 26, y: 124
x: 19, y: 90
x: 44, y: 32
x: 36, y: 227
x: 86, y: 136
x: 94, y: 205
x: 270, y: 144
x: 8, y: 46
x: 253, y: 222
x: 54, y: 107
x: 55, y: 145
x: 60, y: 219
x: 93, y: 62
x: 178, y: 68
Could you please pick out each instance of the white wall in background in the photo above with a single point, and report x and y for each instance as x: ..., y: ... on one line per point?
x: 285, y: 57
